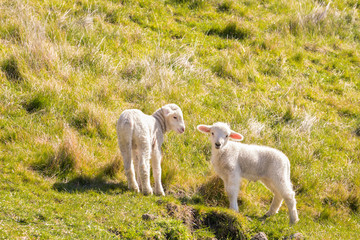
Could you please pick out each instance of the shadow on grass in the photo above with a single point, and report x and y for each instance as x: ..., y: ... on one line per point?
x: 84, y: 184
x: 257, y: 218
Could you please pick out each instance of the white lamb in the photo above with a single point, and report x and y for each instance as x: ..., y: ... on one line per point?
x: 140, y: 137
x: 233, y: 161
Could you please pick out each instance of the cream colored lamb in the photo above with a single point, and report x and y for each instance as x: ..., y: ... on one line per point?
x: 140, y: 137
x: 233, y: 161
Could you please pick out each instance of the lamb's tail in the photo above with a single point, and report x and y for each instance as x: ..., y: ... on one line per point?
x: 124, y: 133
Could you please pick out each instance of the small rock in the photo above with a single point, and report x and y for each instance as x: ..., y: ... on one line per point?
x: 297, y: 236
x: 259, y: 236
x: 148, y: 217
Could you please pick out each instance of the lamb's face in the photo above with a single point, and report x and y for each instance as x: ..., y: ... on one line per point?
x: 220, y: 133
x: 174, y: 118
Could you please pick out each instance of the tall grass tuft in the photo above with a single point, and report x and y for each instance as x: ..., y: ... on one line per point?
x: 191, y: 4
x: 317, y: 14
x: 231, y: 30
x: 10, y: 32
x: 322, y: 19
x: 357, y: 128
x: 224, y: 6
x: 90, y: 121
x: 160, y: 69
x: 169, y: 170
x: 354, y: 201
x: 64, y: 160
x: 36, y: 103
x: 113, y: 168
x: 212, y: 192
x: 31, y: 36
x: 11, y: 69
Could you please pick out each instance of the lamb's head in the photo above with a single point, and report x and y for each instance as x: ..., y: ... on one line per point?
x: 174, y: 118
x: 220, y: 133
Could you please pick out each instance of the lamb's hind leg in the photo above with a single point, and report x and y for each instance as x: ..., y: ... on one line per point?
x: 135, y: 158
x: 291, y: 204
x: 286, y: 191
x: 277, y: 200
x: 144, y: 168
x: 129, y: 167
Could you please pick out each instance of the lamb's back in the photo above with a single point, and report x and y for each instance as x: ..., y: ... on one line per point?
x: 135, y: 121
x: 256, y: 161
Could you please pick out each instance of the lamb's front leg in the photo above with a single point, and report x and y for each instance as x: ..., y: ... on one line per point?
x: 232, y: 185
x: 156, y: 166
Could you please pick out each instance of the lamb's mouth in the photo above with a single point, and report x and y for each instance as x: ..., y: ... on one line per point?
x: 180, y: 131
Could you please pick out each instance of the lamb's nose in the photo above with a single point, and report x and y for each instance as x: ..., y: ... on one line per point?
x: 217, y: 144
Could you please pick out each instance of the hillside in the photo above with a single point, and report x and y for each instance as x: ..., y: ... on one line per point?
x: 283, y: 73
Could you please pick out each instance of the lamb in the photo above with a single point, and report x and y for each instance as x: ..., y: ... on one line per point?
x: 140, y: 137
x: 233, y: 161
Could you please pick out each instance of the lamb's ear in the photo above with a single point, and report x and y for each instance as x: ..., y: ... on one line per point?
x: 236, y: 136
x: 167, y: 111
x: 203, y: 128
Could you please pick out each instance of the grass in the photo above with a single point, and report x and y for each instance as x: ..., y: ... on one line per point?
x: 283, y: 73
x: 231, y: 30
x: 11, y: 69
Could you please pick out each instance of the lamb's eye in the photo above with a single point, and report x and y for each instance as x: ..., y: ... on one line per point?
x: 175, y: 117
x: 212, y: 133
x: 227, y: 135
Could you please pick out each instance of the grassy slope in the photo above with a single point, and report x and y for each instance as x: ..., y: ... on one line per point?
x: 278, y: 71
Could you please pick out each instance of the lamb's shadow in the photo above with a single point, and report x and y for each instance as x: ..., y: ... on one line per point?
x: 261, y: 219
x: 84, y: 184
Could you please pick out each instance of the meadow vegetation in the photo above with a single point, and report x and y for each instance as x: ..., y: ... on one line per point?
x: 283, y: 73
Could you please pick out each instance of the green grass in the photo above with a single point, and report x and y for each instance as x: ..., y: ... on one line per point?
x: 283, y: 73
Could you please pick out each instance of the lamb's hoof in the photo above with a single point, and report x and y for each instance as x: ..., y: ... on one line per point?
x: 268, y: 214
x: 159, y: 192
x: 134, y: 188
x: 147, y: 192
x: 294, y: 221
